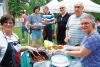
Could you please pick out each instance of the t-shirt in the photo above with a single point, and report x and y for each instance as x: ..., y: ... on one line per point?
x: 35, y: 19
x: 49, y: 18
x: 92, y: 43
x: 24, y: 18
x: 74, y: 30
x: 61, y: 22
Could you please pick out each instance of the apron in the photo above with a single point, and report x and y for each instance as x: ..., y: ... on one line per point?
x: 9, y: 59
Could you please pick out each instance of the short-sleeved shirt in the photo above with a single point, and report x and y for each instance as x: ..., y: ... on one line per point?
x: 61, y: 22
x: 24, y: 18
x: 49, y: 18
x: 74, y: 30
x: 35, y: 19
x: 92, y: 43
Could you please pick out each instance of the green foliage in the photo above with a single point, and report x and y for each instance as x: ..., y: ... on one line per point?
x: 97, y: 15
x: 96, y: 1
x: 18, y: 32
x: 14, y: 7
x: 33, y: 3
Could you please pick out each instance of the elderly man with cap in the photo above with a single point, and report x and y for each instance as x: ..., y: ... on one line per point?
x: 74, y: 32
x: 89, y: 51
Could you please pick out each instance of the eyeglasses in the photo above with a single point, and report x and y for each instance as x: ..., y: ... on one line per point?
x: 61, y: 7
x: 85, y: 23
x: 77, y: 6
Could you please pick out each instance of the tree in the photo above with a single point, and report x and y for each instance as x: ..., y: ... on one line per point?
x: 96, y: 1
x: 14, y: 7
x: 33, y: 3
x: 96, y: 14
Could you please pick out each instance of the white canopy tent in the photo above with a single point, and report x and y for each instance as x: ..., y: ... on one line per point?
x: 89, y: 6
x: 53, y: 6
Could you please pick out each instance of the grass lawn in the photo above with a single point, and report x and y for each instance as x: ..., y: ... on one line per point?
x: 24, y: 42
x: 18, y: 32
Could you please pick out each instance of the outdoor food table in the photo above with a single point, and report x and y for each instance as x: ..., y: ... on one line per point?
x: 73, y: 62
x: 25, y: 62
x: 48, y: 63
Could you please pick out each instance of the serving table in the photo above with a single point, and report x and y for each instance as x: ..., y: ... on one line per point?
x: 74, y: 62
x: 51, y: 51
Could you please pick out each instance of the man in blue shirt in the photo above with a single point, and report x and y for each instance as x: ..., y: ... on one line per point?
x: 35, y: 23
x: 89, y: 51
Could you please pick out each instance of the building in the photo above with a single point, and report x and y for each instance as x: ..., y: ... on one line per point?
x: 3, y: 7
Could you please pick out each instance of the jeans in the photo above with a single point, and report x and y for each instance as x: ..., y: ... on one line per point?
x: 23, y: 28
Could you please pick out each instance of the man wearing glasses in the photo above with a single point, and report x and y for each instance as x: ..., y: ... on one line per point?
x: 74, y: 32
x: 61, y: 22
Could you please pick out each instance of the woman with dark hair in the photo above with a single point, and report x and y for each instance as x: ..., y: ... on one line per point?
x: 10, y: 47
x: 35, y: 22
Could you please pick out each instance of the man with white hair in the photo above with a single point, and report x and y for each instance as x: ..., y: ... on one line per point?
x: 48, y: 21
x: 74, y: 32
x: 60, y: 27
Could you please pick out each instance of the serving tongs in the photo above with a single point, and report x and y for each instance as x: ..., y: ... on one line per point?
x: 37, y: 56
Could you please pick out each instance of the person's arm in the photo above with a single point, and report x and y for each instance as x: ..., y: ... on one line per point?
x: 53, y: 19
x: 73, y: 48
x: 24, y: 48
x: 55, y: 30
x: 53, y: 22
x: 66, y: 37
x: 83, y: 52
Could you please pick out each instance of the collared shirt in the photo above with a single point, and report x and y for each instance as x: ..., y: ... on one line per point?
x: 62, y: 21
x: 48, y: 18
x: 92, y: 43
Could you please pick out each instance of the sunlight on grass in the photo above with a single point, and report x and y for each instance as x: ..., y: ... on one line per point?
x: 25, y: 42
x: 18, y: 32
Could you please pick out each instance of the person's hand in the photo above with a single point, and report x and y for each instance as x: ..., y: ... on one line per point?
x: 28, y: 25
x: 31, y: 49
x: 34, y: 25
x: 43, y: 22
x: 64, y: 51
x: 66, y: 39
x: 55, y: 35
x: 51, y: 52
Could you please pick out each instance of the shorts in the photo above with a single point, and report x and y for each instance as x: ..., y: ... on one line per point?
x: 36, y: 34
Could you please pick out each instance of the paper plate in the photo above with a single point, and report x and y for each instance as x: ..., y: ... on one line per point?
x: 59, y: 60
